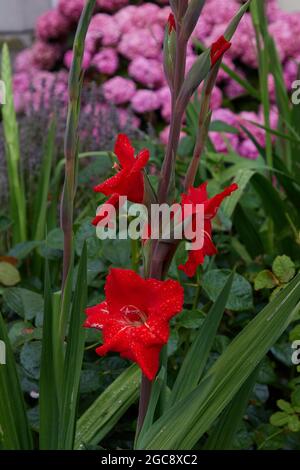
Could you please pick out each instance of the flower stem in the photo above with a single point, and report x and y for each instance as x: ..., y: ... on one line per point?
x: 71, y: 137
x: 203, y: 128
x: 145, y: 394
x: 177, y: 115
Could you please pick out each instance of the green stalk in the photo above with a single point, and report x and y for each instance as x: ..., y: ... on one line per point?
x: 258, y: 17
x: 167, y: 173
x: 71, y: 136
x: 12, y: 151
x: 135, y: 255
x: 203, y: 128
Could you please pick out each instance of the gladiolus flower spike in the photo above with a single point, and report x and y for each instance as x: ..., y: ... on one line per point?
x: 129, y: 180
x: 199, y: 196
x: 134, y: 318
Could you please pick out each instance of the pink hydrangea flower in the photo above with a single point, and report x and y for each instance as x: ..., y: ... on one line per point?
x: 146, y: 15
x: 163, y: 15
x: 245, y: 119
x: 71, y: 9
x: 142, y: 42
x: 217, y: 138
x: 219, y: 12
x: 221, y: 141
x: 225, y: 115
x: 112, y: 5
x: 145, y: 101
x: 149, y: 72
x: 45, y: 55
x: 24, y: 61
x: 52, y: 25
x: 103, y: 29
x: 119, y: 90
x: 245, y: 48
x: 106, y: 61
x: 125, y: 18
x: 247, y: 149
x: 233, y: 89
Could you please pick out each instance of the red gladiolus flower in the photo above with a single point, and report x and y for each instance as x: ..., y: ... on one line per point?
x: 218, y: 49
x: 135, y: 316
x: 129, y: 180
x: 171, y: 23
x: 199, y: 196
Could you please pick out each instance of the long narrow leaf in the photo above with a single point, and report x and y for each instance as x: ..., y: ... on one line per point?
x: 12, y: 151
x: 49, y: 417
x: 223, y: 435
x: 106, y: 411
x: 194, y: 363
x: 14, y: 428
x: 74, y: 356
x: 186, y: 421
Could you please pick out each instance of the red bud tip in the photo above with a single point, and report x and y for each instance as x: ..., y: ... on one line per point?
x: 218, y: 49
x: 171, y: 23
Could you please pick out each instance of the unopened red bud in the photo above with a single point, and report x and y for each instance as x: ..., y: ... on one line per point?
x: 218, y: 49
x: 171, y: 23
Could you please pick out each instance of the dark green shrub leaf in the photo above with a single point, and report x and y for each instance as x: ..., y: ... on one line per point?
x: 9, y: 275
x: 284, y: 268
x: 240, y: 297
x: 265, y: 280
x: 30, y: 358
x: 26, y: 303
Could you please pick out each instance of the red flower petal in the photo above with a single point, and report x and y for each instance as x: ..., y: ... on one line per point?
x: 195, y: 259
x: 134, y: 319
x: 211, y: 206
x: 129, y: 181
x: 96, y: 316
x: 156, y: 298
x: 112, y: 185
x: 148, y: 360
x: 124, y: 151
x: 114, y: 201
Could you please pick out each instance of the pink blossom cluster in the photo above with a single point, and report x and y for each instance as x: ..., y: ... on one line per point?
x: 123, y: 51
